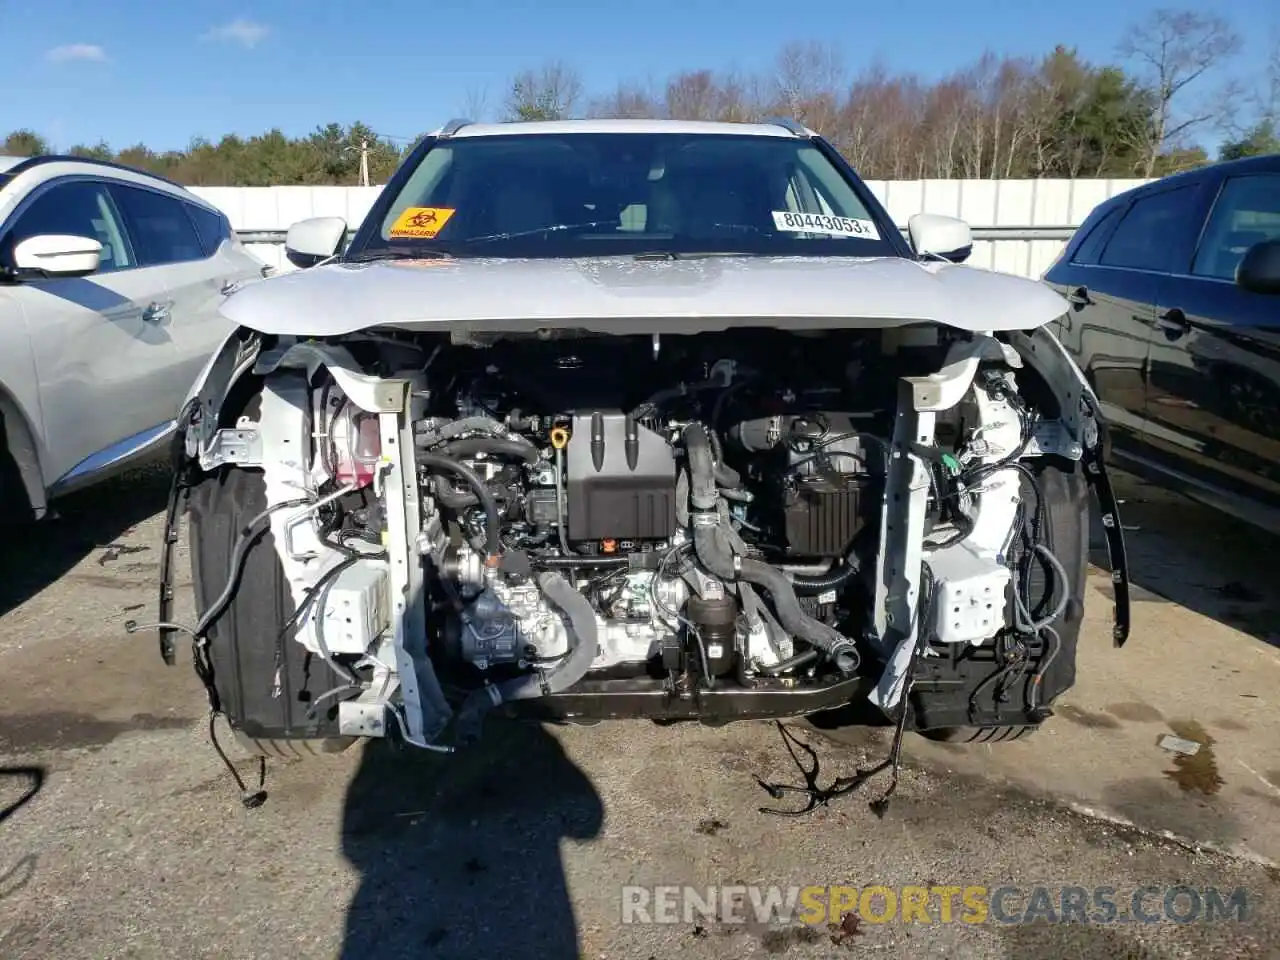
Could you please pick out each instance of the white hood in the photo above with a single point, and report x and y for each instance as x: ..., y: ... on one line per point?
x: 623, y: 295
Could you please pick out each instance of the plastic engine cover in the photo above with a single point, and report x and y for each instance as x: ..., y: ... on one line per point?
x: 621, y: 480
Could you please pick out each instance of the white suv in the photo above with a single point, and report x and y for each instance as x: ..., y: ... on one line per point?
x: 110, y: 284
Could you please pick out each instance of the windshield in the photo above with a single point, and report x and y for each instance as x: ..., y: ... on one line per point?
x: 596, y: 194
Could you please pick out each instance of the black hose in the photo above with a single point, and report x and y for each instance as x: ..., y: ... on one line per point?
x: 560, y: 676
x: 451, y: 498
x: 569, y: 563
x: 715, y: 554
x: 727, y: 476
x: 492, y: 518
x: 494, y: 446
x: 791, y: 663
x: 831, y: 580
x: 451, y: 429
x: 702, y: 474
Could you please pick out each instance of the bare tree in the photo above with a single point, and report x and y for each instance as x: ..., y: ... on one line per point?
x: 1269, y: 96
x: 692, y: 95
x: 475, y: 103
x: 1175, y: 48
x: 550, y: 92
x: 629, y: 101
x: 809, y: 77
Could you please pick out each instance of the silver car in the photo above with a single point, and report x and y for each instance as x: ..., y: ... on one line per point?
x: 637, y: 419
x: 110, y: 284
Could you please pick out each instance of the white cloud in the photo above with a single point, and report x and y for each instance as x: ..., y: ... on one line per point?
x: 247, y: 33
x: 77, y: 51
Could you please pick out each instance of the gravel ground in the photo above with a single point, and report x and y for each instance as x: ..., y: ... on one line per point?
x: 133, y: 843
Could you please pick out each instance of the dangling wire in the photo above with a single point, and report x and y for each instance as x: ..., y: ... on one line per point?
x: 251, y: 799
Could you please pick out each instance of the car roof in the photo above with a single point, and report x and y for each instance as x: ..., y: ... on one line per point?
x: 1266, y: 163
x: 51, y: 166
x: 769, y: 128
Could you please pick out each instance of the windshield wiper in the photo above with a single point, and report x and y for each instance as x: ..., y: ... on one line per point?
x: 397, y: 253
x: 555, y: 228
x: 697, y: 254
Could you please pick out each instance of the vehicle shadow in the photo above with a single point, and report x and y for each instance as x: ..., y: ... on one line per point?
x: 1183, y: 552
x: 459, y: 856
x: 89, y: 520
x: 30, y: 781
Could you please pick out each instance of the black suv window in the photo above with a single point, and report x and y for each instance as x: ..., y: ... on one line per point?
x: 1247, y: 212
x: 1146, y: 237
x: 212, y: 227
x: 161, y: 230
x: 1091, y: 245
x: 81, y: 208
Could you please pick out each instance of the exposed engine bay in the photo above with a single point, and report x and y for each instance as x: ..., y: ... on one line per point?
x: 711, y: 526
x: 642, y: 499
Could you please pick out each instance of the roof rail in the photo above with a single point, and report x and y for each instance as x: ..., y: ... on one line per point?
x: 788, y: 124
x: 453, y: 126
x: 110, y: 164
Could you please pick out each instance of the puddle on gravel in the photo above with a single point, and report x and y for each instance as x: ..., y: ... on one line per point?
x: 63, y: 730
x: 1199, y: 771
x: 1087, y: 718
x: 1136, y: 711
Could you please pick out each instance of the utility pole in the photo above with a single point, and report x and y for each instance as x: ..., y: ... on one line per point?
x: 364, y: 161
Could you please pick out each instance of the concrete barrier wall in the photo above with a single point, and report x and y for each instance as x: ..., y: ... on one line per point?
x: 983, y: 203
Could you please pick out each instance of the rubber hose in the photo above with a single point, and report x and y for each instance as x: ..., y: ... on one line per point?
x: 570, y: 563
x: 791, y: 663
x: 495, y: 446
x: 453, y: 428
x: 787, y: 605
x: 714, y: 553
x: 832, y: 580
x: 563, y: 675
x: 702, y: 474
x: 492, y: 518
x: 451, y: 498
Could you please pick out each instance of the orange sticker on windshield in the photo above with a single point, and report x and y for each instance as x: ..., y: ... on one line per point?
x: 422, y: 223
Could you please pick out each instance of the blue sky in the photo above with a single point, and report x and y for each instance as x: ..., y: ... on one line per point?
x: 142, y: 70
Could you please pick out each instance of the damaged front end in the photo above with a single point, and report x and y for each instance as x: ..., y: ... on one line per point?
x: 709, y: 526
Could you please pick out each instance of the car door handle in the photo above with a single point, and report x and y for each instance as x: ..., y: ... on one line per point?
x: 157, y: 313
x: 1080, y: 297
x: 230, y: 287
x: 1173, y: 322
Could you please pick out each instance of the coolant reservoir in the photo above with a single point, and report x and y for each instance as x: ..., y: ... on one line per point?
x: 357, y: 446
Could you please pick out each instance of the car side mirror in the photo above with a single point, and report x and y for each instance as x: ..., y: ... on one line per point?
x: 1259, y: 268
x: 56, y: 255
x: 315, y: 239
x: 935, y: 235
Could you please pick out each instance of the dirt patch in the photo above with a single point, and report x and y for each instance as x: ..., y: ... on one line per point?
x: 1155, y: 804
x: 1137, y: 711
x: 1271, y: 798
x: 1087, y: 718
x: 1226, y: 723
x: 780, y: 941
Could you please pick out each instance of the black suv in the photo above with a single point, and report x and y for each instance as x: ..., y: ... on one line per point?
x: 1175, y: 320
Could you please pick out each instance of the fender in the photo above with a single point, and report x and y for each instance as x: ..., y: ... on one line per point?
x: 20, y: 442
x: 1082, y: 415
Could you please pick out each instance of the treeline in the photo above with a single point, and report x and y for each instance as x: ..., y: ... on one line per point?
x: 330, y: 155
x: 1148, y: 113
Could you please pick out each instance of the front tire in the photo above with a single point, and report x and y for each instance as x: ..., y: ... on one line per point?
x: 243, y: 640
x: 950, y: 701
